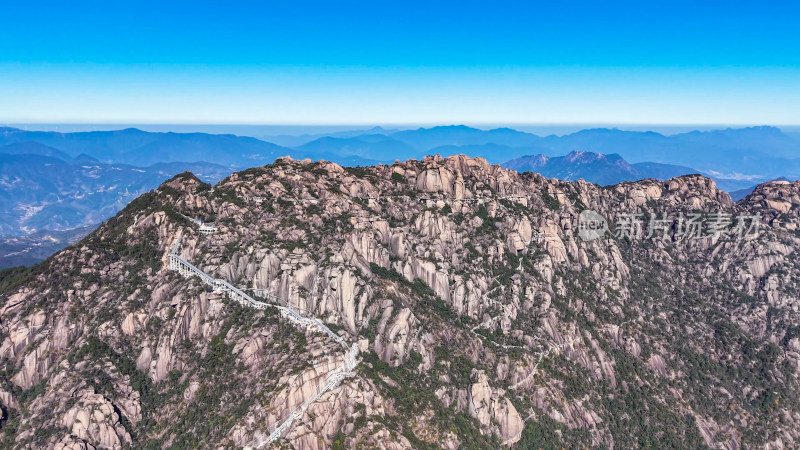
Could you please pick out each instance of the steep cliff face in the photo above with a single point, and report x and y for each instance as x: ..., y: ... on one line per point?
x: 483, y: 316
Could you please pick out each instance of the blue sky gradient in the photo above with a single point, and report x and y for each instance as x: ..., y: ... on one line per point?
x: 400, y: 62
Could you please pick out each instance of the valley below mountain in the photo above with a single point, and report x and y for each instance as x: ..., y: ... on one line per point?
x: 39, y: 192
x: 30, y: 249
x: 481, y: 316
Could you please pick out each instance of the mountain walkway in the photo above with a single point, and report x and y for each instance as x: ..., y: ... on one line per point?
x: 334, y: 378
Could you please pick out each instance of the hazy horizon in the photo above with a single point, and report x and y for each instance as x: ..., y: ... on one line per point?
x: 262, y: 131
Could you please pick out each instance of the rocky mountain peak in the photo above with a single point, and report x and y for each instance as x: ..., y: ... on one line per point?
x: 700, y: 187
x: 184, y: 182
x: 481, y: 312
x: 777, y: 201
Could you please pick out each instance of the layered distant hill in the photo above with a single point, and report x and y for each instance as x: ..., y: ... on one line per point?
x: 40, y: 192
x: 749, y: 155
x: 137, y: 147
x: 369, y: 147
x: 738, y: 157
x: 595, y: 168
x: 298, y: 140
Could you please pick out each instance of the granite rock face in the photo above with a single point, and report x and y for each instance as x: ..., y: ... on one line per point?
x: 483, y: 317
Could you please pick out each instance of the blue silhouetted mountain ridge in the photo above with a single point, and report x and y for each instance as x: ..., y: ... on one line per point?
x: 595, y: 168
x: 137, y: 147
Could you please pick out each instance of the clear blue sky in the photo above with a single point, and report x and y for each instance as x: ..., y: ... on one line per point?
x: 400, y: 62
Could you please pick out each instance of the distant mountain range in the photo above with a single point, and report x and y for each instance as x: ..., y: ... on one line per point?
x: 141, y: 148
x: 298, y: 140
x: 369, y: 148
x: 746, y: 154
x: 737, y: 157
x: 428, y: 138
x: 595, y: 168
x: 39, y: 191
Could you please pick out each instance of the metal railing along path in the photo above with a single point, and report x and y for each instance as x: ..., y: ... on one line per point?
x: 334, y: 378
